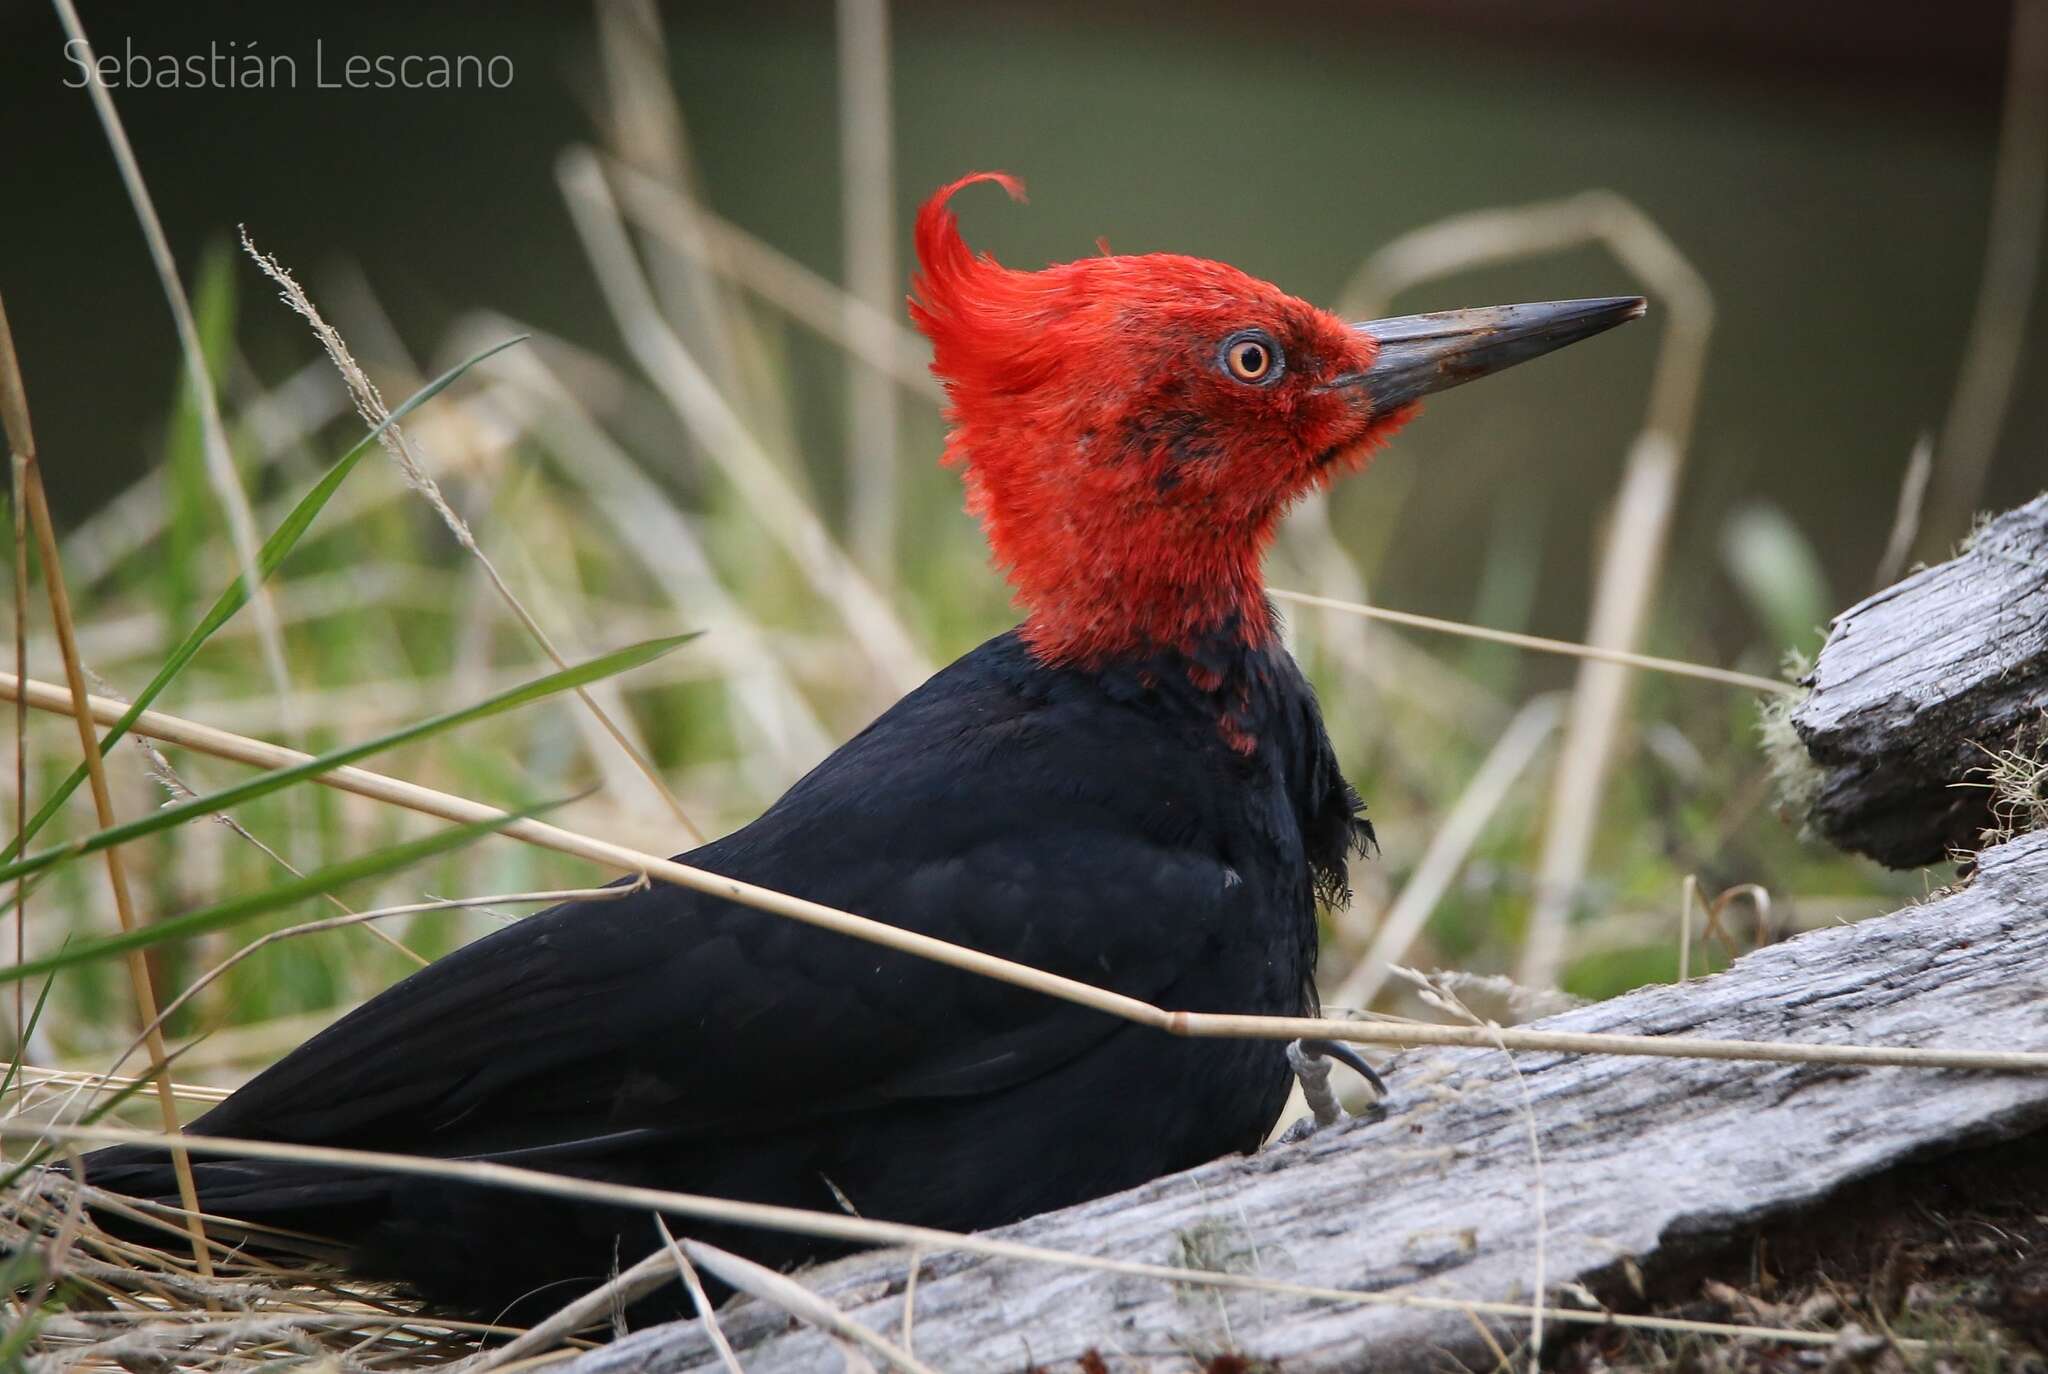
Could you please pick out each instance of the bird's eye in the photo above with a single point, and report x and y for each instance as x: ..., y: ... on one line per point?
x: 1252, y: 357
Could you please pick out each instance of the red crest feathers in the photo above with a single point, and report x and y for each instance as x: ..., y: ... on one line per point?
x: 1127, y: 482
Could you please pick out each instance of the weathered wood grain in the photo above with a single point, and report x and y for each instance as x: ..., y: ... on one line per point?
x: 1917, y: 682
x: 1643, y: 1160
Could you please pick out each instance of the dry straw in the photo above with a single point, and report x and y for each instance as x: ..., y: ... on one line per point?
x: 14, y: 415
x: 1590, y: 652
x: 370, y: 405
x: 709, y: 1314
x: 863, y: 1231
x: 867, y: 183
x: 352, y: 918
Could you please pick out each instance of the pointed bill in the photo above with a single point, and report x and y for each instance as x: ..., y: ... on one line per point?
x: 1420, y: 354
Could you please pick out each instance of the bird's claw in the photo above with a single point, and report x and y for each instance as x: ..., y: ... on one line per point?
x: 1347, y: 1056
x: 1310, y: 1060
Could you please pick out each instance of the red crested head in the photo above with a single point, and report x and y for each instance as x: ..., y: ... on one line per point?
x: 1131, y: 429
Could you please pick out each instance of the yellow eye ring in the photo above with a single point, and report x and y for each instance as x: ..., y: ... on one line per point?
x: 1251, y: 357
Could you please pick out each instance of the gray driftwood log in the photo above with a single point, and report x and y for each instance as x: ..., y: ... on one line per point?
x: 1644, y: 1163
x: 1917, y: 682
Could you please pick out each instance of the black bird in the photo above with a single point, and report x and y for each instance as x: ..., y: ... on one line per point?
x: 1132, y: 788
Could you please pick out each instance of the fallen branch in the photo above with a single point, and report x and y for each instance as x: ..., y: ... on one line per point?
x: 1916, y: 691
x: 1644, y: 1166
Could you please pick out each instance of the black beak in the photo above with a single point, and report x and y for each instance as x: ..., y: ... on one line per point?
x: 1420, y: 354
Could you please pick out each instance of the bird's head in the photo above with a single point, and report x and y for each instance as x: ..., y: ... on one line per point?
x: 1132, y: 428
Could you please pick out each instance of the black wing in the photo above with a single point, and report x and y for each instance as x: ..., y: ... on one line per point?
x: 1050, y: 830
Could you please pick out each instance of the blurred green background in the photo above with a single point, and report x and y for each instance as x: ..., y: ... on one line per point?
x: 1826, y: 169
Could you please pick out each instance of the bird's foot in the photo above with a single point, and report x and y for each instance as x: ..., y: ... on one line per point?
x: 1310, y: 1060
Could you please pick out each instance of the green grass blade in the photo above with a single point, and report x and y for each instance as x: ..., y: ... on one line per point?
x: 274, y: 551
x: 579, y: 675
x: 317, y: 883
x: 27, y: 1030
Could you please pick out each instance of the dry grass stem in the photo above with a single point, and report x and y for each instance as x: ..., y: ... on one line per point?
x: 1759, y: 899
x: 867, y: 184
x: 578, y: 894
x: 543, y: 558
x: 14, y: 416
x: 643, y: 120
x: 708, y: 1314
x: 877, y: 337
x: 860, y: 1230
x: 226, y: 744
x: 621, y: 1290
x: 1898, y: 545
x: 909, y: 1301
x: 1591, y: 652
x: 648, y: 135
x: 1395, y: 668
x: 32, y: 1076
x: 370, y: 405
x: 10, y: 366
x: 1628, y: 570
x: 220, y: 460
x: 1688, y: 895
x: 1521, y: 1003
x: 779, y: 1290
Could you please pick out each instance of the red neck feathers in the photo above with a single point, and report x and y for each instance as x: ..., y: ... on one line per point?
x: 1131, y: 430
